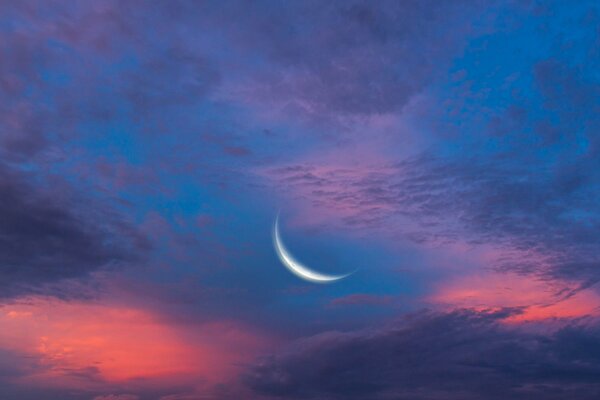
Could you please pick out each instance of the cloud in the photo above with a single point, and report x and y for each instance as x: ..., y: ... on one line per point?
x: 345, y: 59
x: 517, y: 207
x: 117, y: 397
x: 523, y: 181
x: 172, y: 98
x: 361, y: 299
x: 106, y: 348
x: 15, y: 364
x: 187, y: 397
x: 47, y: 237
x: 459, y: 355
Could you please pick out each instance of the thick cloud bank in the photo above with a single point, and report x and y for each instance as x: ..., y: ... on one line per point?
x: 458, y: 355
x: 46, y: 237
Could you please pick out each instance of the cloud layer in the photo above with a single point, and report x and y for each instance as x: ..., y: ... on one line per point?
x: 45, y: 237
x: 459, y: 355
x: 446, y: 151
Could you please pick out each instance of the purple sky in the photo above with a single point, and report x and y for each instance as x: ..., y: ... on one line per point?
x: 446, y: 151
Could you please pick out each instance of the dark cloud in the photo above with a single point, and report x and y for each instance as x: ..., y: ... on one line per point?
x: 341, y: 58
x: 46, y: 238
x: 459, y: 355
x: 14, y: 366
x: 71, y: 70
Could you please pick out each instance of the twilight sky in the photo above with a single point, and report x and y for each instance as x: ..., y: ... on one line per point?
x: 448, y: 151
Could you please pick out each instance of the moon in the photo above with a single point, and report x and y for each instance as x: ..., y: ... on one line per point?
x: 295, y: 266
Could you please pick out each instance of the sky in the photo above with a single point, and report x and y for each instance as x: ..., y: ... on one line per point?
x: 445, y: 153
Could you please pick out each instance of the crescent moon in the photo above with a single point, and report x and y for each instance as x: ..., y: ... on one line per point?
x: 294, y: 265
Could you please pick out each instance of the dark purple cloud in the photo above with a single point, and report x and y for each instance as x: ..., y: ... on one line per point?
x: 46, y: 237
x: 342, y: 59
x: 459, y: 355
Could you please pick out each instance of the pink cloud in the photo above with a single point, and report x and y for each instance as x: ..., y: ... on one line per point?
x: 79, y: 344
x: 117, y: 397
x: 540, y: 299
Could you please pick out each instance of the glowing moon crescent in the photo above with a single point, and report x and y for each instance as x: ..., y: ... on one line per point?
x: 294, y: 265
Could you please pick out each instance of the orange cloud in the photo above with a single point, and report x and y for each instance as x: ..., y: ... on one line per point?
x: 539, y: 298
x: 78, y: 344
